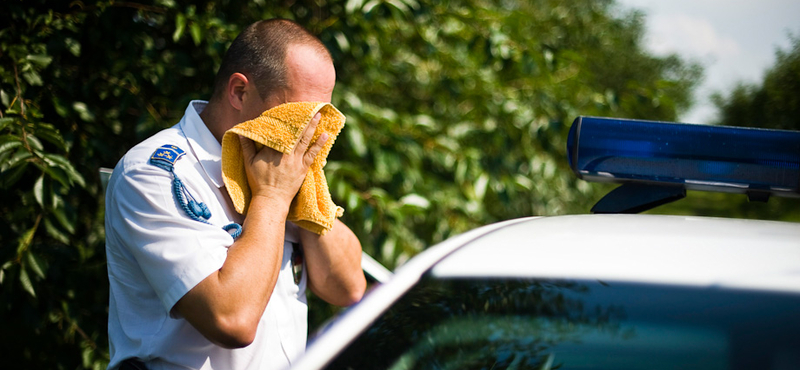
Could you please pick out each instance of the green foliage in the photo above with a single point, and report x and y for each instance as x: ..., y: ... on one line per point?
x: 39, y: 182
x: 775, y: 103
x: 457, y: 116
x: 458, y: 110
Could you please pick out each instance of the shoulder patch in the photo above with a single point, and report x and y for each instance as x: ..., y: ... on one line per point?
x: 165, y: 156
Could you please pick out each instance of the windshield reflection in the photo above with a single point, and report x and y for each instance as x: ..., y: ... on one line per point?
x: 547, y: 324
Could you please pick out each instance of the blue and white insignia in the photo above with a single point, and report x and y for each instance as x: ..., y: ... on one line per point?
x: 166, y: 155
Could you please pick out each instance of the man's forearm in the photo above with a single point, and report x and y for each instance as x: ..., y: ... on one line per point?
x: 227, y: 305
x: 334, y: 265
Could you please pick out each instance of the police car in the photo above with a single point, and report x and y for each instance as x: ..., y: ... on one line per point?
x: 610, y: 290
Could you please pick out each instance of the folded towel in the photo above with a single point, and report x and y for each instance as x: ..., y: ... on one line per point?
x: 280, y: 128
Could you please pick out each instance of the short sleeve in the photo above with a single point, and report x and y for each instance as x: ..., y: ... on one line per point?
x: 174, y: 252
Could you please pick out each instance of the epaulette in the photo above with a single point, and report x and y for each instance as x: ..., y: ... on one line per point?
x: 165, y: 158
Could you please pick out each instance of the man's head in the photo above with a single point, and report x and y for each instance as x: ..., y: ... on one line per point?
x: 273, y: 62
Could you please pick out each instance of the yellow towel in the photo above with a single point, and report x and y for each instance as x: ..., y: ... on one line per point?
x: 280, y: 128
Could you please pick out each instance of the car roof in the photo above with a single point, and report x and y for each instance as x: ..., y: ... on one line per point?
x: 700, y: 251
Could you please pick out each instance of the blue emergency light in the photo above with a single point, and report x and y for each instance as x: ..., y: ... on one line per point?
x: 648, y: 157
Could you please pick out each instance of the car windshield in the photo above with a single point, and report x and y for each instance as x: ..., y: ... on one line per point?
x: 546, y: 324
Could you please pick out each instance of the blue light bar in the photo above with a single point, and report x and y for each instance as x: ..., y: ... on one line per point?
x: 698, y: 157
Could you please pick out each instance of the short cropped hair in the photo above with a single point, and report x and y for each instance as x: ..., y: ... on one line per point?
x: 259, y: 52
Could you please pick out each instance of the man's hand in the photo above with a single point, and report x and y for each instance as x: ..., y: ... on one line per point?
x: 276, y: 175
x: 333, y: 260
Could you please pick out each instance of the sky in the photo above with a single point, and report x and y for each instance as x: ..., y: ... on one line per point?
x: 735, y: 40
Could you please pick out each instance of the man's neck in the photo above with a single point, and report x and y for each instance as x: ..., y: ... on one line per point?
x: 214, y: 120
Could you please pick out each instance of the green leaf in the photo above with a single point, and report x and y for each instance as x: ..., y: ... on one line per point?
x: 401, y: 6
x: 6, y: 265
x: 73, y: 46
x: 170, y: 4
x: 55, y: 316
x: 56, y: 173
x: 50, y: 134
x: 480, y: 186
x: 18, y: 158
x: 415, y: 200
x: 54, y: 232
x: 25, y: 240
x: 83, y: 111
x: 5, y: 121
x: 10, y: 137
x: 341, y: 40
x: 26, y: 282
x: 11, y: 176
x: 33, y: 78
x: 40, y: 60
x: 38, y: 191
x: 180, y: 26
x: 66, y: 166
x: 62, y: 109
x: 356, y: 139
x: 34, y: 142
x: 9, y: 145
x: 86, y: 356
x: 4, y: 98
x: 353, y: 5
x: 3, y: 158
x: 197, y: 33
x: 3, y: 270
x: 67, y: 222
x: 36, y: 265
x: 56, y: 160
x: 366, y: 8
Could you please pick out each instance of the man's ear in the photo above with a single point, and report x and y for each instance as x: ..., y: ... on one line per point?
x: 237, y: 87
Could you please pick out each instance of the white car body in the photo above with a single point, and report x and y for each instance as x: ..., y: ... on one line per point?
x: 669, y: 250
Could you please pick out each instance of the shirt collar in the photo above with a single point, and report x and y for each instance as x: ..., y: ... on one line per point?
x: 204, y: 145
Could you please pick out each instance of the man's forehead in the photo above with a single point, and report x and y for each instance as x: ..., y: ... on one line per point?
x: 309, y: 70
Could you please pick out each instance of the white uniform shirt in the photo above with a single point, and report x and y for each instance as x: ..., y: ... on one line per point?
x: 157, y: 253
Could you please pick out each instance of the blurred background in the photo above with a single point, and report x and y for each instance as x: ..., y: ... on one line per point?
x: 457, y: 114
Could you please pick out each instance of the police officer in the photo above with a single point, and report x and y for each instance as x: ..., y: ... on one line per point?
x: 183, y: 292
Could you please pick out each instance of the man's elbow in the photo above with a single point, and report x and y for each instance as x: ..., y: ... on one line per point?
x: 233, y: 332
x: 354, y: 294
x: 353, y: 298
x: 219, y: 319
